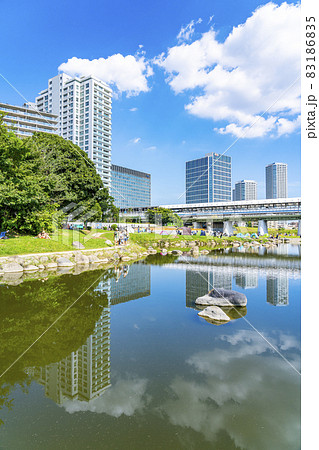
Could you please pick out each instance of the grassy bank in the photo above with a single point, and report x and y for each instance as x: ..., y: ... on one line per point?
x: 59, y: 242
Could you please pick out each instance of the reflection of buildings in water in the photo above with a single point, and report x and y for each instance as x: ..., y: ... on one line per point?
x: 277, y: 289
x: 85, y: 373
x: 198, y: 283
x: 247, y: 280
x: 130, y: 283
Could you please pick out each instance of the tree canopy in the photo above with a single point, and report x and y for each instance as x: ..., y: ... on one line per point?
x: 42, y: 174
x: 166, y: 216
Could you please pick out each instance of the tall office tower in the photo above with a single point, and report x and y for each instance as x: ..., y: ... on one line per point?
x: 83, y: 106
x: 208, y: 179
x: 26, y: 120
x: 245, y: 190
x: 130, y: 188
x: 276, y: 180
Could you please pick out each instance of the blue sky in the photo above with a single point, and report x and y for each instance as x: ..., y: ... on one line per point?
x: 194, y: 81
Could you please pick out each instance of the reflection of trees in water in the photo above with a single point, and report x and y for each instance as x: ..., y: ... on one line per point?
x: 72, y: 359
x: 31, y: 307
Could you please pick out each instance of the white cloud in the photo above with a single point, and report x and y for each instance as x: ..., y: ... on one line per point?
x: 152, y: 147
x: 187, y: 31
x: 128, y: 74
x: 124, y: 398
x: 249, y: 73
x: 136, y: 140
x: 241, y: 390
x: 133, y: 109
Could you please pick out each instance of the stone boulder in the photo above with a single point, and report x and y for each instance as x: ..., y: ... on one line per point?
x: 30, y: 268
x: 12, y: 267
x: 77, y: 244
x: 214, y: 313
x: 108, y: 242
x: 204, y: 252
x: 125, y: 258
x: 43, y: 259
x: 64, y: 262
x: 93, y: 259
x: 177, y: 252
x: 51, y: 265
x: 222, y: 297
x: 81, y: 259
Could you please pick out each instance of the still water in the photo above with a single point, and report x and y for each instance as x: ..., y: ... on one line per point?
x: 132, y: 366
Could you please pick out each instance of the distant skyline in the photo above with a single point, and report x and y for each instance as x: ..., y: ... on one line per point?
x: 188, y: 79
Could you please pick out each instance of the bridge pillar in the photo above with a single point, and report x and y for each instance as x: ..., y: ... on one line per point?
x: 262, y: 227
x: 228, y: 228
x: 299, y: 228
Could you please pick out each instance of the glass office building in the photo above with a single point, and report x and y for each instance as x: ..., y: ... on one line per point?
x: 276, y: 180
x: 245, y: 190
x: 208, y: 179
x: 130, y: 188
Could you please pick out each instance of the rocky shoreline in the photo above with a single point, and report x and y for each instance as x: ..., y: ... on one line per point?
x: 20, y: 267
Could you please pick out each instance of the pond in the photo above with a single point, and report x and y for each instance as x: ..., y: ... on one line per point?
x: 131, y: 365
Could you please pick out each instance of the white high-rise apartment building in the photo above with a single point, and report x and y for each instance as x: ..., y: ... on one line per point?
x: 245, y: 190
x: 276, y: 180
x: 84, y: 108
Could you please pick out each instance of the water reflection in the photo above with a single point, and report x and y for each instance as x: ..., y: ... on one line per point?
x: 204, y: 385
x: 278, y: 289
x: 84, y: 375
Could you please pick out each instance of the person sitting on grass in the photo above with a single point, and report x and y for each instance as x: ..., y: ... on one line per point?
x: 3, y: 234
x: 43, y: 235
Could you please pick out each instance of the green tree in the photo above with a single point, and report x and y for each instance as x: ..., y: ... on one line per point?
x: 44, y: 173
x: 166, y: 215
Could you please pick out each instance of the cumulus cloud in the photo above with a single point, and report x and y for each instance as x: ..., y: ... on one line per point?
x: 133, y: 109
x: 250, y: 80
x: 125, y: 74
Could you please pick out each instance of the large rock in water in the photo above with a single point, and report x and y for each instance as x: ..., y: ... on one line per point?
x: 12, y: 268
x: 64, y: 262
x: 214, y: 313
x: 222, y: 297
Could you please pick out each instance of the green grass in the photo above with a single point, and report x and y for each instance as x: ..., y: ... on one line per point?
x: 59, y: 242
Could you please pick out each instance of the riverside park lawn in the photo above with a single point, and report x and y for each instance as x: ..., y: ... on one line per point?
x: 58, y: 242
x: 94, y: 239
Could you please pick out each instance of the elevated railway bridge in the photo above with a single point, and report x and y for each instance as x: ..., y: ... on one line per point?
x: 222, y: 215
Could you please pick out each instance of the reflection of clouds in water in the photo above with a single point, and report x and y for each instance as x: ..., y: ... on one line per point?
x: 126, y: 397
x: 245, y: 390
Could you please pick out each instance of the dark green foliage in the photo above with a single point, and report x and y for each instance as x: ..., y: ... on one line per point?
x: 166, y: 216
x: 42, y: 174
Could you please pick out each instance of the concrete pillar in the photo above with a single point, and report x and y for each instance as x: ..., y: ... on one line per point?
x: 299, y: 228
x: 196, y: 225
x: 262, y: 227
x: 228, y: 228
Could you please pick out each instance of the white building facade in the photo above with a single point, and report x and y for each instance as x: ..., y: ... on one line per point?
x: 84, y: 109
x: 245, y: 190
x: 276, y: 180
x: 26, y: 120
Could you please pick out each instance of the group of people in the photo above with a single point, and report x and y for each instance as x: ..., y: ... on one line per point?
x: 121, y: 270
x: 121, y: 236
x: 43, y: 235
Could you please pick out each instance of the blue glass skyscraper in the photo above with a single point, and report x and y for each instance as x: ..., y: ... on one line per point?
x: 208, y: 179
x: 130, y: 188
